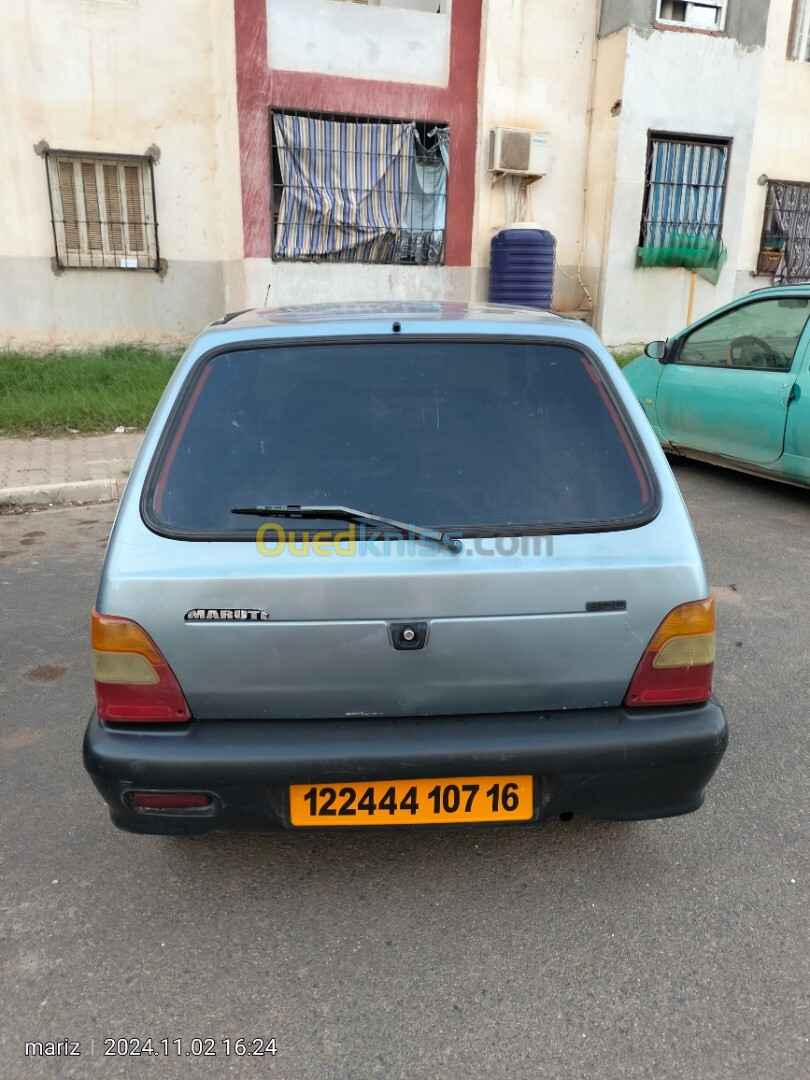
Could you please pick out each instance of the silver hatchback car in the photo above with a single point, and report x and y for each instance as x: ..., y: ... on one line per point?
x: 399, y: 565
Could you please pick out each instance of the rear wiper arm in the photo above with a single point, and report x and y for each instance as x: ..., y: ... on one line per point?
x: 346, y: 513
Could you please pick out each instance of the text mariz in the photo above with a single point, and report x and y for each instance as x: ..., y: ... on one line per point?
x: 64, y: 1048
x: 227, y: 615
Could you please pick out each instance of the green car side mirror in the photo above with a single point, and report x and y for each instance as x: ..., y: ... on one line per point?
x: 656, y: 350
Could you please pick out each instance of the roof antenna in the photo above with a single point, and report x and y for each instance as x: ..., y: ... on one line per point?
x: 267, y: 293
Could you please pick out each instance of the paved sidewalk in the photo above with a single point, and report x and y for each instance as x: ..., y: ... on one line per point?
x: 83, y: 468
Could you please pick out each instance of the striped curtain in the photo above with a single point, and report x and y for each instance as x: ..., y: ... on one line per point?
x: 685, y: 194
x: 344, y: 188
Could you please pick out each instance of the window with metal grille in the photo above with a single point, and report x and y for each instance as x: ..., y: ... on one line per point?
x: 799, y: 48
x: 702, y: 14
x: 784, y: 250
x: 682, y: 220
x: 102, y: 211
x: 358, y: 189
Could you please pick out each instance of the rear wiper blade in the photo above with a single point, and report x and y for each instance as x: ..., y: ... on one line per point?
x: 346, y: 513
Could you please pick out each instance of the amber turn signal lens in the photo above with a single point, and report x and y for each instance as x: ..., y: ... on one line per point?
x: 694, y: 618
x: 116, y: 635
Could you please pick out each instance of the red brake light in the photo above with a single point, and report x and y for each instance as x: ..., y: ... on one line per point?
x: 180, y: 800
x: 678, y: 664
x: 134, y: 684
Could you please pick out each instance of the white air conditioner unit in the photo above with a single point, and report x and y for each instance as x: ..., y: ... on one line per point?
x: 518, y: 151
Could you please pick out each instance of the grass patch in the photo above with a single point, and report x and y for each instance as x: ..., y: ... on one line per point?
x: 624, y: 358
x: 93, y: 390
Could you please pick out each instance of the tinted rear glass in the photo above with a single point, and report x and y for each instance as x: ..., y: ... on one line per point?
x: 466, y: 434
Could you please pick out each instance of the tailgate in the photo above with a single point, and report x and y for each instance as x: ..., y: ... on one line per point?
x: 311, y: 637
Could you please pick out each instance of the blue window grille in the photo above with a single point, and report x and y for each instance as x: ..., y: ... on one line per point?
x: 684, y: 197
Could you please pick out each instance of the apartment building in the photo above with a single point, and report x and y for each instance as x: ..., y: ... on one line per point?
x: 169, y: 163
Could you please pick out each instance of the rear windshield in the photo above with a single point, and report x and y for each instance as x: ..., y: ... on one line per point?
x: 476, y: 436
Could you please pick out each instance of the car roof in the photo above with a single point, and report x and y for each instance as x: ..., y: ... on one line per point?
x: 382, y: 311
x: 802, y: 287
x: 382, y: 318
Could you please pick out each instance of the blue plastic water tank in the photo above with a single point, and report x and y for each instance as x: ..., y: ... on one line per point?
x: 521, y: 266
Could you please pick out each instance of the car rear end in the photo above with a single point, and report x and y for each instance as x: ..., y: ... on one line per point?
x: 284, y: 668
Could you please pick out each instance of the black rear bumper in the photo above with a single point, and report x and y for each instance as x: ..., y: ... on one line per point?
x: 605, y: 763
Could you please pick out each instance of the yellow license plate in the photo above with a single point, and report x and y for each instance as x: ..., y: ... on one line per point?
x: 457, y: 800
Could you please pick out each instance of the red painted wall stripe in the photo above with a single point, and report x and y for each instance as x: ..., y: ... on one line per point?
x: 258, y: 88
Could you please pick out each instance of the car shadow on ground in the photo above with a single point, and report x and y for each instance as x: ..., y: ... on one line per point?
x: 422, y: 868
x: 338, y: 851
x: 689, y: 470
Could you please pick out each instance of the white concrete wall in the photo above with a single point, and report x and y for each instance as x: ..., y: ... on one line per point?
x: 681, y: 83
x: 389, y: 43
x: 432, y: 6
x: 117, y: 77
x: 536, y: 66
x: 781, y: 146
x: 278, y: 284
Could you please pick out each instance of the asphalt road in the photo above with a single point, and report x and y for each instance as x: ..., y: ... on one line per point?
x: 662, y: 949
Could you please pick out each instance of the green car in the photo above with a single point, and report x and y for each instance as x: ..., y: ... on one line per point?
x: 733, y: 388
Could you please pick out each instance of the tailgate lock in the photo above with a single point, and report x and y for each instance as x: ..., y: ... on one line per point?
x: 408, y: 635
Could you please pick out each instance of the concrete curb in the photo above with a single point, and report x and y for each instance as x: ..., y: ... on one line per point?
x: 78, y: 491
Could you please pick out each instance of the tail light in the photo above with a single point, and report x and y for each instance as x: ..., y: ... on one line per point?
x: 678, y: 664
x: 134, y: 684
